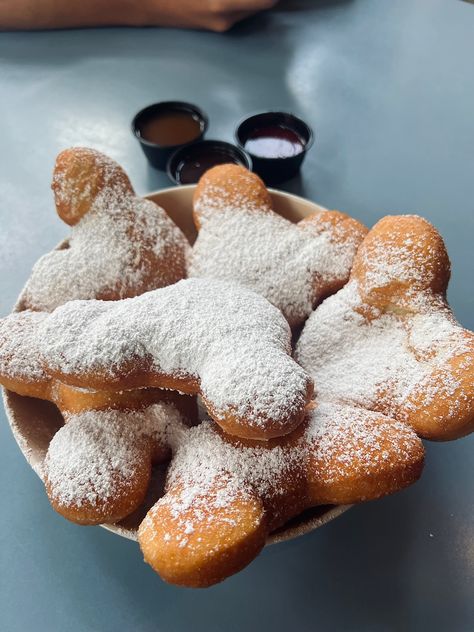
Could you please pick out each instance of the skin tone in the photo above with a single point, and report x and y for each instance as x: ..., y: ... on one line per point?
x: 214, y: 15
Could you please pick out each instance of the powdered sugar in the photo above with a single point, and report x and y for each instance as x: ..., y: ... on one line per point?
x: 290, y: 264
x: 19, y: 357
x: 97, y: 455
x: 401, y: 268
x: 208, y: 472
x: 404, y: 250
x: 350, y: 441
x: 93, y: 459
x: 378, y: 360
x: 236, y: 190
x: 221, y: 334
x: 122, y: 247
x: 85, y: 176
x: 205, y: 457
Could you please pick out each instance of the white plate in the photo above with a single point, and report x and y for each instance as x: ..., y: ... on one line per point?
x: 34, y: 422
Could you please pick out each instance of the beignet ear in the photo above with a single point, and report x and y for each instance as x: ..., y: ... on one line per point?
x: 229, y: 187
x: 220, y: 541
x: 357, y: 455
x: 402, y: 257
x: 81, y: 175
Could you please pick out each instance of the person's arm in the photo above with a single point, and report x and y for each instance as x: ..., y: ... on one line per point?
x: 216, y: 15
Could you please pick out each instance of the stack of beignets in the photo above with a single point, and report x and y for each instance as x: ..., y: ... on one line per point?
x: 379, y: 363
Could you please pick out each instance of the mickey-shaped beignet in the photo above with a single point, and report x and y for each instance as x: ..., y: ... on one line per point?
x: 388, y: 341
x: 242, y: 239
x: 202, y: 336
x: 120, y: 245
x: 98, y: 465
x: 224, y: 496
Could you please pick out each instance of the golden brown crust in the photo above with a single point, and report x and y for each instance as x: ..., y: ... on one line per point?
x: 274, y: 428
x: 399, y: 260
x: 343, y: 225
x: 248, y: 380
x: 80, y: 176
x: 236, y: 187
x: 423, y: 372
x: 344, y: 476
x: 120, y: 245
x: 27, y: 388
x: 230, y: 538
x: 343, y: 228
x: 402, y: 267
x: 98, y: 465
x: 449, y: 415
x: 75, y: 400
x: 225, y: 495
x: 71, y: 400
x: 242, y: 239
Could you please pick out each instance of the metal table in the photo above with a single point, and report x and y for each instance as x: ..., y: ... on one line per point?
x: 388, y: 87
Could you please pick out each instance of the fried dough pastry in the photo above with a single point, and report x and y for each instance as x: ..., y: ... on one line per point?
x: 224, y: 496
x: 120, y: 245
x: 98, y: 465
x: 242, y: 239
x: 389, y: 362
x: 202, y: 336
x: 388, y: 340
x: 21, y: 371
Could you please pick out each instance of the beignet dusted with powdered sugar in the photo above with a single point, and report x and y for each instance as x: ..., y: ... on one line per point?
x: 224, y: 496
x: 242, y: 239
x: 214, y: 338
x: 120, y: 245
x: 388, y: 340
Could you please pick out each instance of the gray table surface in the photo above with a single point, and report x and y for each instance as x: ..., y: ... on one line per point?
x: 388, y: 87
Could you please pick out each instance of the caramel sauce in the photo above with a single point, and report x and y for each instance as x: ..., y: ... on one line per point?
x: 171, y: 128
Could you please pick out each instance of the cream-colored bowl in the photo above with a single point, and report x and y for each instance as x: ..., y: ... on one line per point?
x: 34, y: 422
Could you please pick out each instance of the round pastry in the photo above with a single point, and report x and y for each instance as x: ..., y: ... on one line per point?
x: 242, y: 239
x: 120, y: 245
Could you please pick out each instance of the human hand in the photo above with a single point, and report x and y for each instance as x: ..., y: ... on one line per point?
x: 214, y: 15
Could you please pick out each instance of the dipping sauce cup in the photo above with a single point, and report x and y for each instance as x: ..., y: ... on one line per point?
x: 163, y: 127
x: 277, y: 142
x: 187, y: 164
